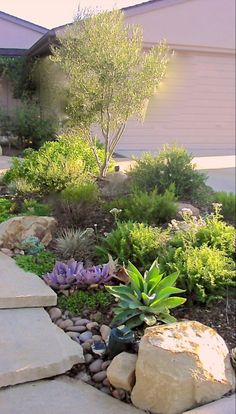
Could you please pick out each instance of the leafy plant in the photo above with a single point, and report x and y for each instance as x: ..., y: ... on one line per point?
x: 81, y: 300
x: 34, y: 208
x: 173, y: 165
x: 39, y: 264
x: 228, y: 202
x: 56, y: 165
x: 149, y: 208
x: 31, y: 245
x: 109, y: 78
x: 204, y: 272
x: 135, y: 241
x: 75, y: 243
x: 7, y: 208
x: 73, y: 274
x: 147, y: 298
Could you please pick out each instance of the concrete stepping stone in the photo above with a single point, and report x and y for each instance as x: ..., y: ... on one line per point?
x: 225, y: 405
x: 20, y: 289
x: 62, y: 395
x: 32, y: 347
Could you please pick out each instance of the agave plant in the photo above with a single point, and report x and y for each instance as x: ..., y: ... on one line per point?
x: 73, y: 274
x: 146, y: 299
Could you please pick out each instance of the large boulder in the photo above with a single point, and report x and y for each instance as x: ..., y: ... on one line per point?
x: 16, y: 229
x: 180, y: 366
x: 186, y: 208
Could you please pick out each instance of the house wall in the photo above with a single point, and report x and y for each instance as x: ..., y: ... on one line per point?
x: 16, y: 36
x: 7, y: 102
x: 194, y: 107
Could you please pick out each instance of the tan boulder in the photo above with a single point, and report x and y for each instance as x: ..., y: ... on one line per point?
x: 16, y: 229
x: 121, y: 371
x: 180, y: 366
x: 187, y: 208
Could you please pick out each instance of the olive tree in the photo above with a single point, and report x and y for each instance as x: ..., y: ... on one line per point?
x: 109, y: 76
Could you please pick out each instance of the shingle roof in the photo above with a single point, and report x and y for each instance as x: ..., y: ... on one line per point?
x: 22, y: 22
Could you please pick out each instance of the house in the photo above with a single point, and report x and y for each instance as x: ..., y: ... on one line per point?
x: 16, y: 37
x: 195, y: 104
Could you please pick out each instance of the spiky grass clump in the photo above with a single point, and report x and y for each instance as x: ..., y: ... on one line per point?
x: 75, y: 243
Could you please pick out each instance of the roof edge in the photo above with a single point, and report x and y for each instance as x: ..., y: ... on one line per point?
x: 150, y: 5
x: 22, y: 22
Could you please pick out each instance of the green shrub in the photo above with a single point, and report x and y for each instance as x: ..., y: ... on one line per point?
x: 136, y: 242
x: 147, y: 299
x: 38, y: 264
x: 228, y: 201
x: 75, y: 243
x: 81, y: 300
x: 55, y: 166
x: 149, y: 208
x: 7, y: 207
x: 34, y: 208
x: 204, y: 272
x: 172, y: 165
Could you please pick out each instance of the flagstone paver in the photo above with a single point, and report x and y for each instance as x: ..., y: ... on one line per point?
x: 20, y: 289
x: 226, y: 405
x: 32, y: 347
x: 60, y: 396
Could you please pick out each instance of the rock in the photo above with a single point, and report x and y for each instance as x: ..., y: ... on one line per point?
x: 105, y: 364
x: 97, y: 338
x: 86, y: 346
x: 99, y: 376
x: 59, y: 321
x: 17, y: 229
x: 66, y: 324
x: 92, y: 326
x: 72, y: 335
x: 78, y: 328
x: 105, y: 332
x: 121, y: 371
x: 88, y: 358
x: 119, y: 394
x: 55, y: 314
x: 8, y: 252
x: 106, y: 383
x: 85, y: 336
x: 81, y: 322
x: 188, y: 208
x: 97, y: 317
x: 106, y: 390
x: 96, y: 366
x: 115, y: 184
x: 83, y: 376
x: 187, y: 361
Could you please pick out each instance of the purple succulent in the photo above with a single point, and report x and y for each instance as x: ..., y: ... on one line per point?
x: 73, y: 274
x: 63, y: 275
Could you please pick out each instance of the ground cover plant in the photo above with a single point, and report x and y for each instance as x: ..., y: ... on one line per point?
x: 7, y: 208
x: 33, y: 207
x: 147, y: 207
x: 38, y: 264
x: 171, y: 166
x: 228, y: 202
x: 82, y: 300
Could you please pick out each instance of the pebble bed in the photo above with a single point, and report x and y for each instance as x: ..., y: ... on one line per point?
x: 87, y: 332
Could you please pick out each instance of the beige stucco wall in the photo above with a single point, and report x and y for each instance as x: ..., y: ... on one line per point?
x: 194, y: 107
x: 16, y: 36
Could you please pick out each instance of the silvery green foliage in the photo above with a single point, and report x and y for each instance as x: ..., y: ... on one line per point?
x: 73, y: 274
x: 32, y: 245
x: 75, y: 243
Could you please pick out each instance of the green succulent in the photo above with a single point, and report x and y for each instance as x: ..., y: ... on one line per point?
x: 147, y: 298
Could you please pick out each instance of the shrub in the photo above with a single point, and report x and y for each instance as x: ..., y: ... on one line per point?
x: 149, y: 208
x: 7, y: 207
x: 228, y: 201
x: 204, y: 272
x: 147, y: 299
x: 172, y: 165
x: 75, y: 243
x: 54, y: 166
x: 34, y: 208
x: 135, y: 241
x: 81, y: 300
x: 38, y: 264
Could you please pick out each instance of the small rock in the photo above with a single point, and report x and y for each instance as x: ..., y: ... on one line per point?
x: 55, y: 314
x: 95, y: 366
x: 66, y: 324
x: 119, y: 394
x: 86, y: 347
x: 83, y: 376
x: 97, y: 338
x: 72, y: 334
x: 17, y: 251
x: 59, y: 321
x: 105, y: 390
x: 105, y: 364
x: 99, y: 376
x: 106, y: 382
x: 67, y: 313
x: 97, y: 317
x: 85, y: 336
x: 186, y: 207
x: 92, y: 326
x: 8, y: 252
x: 88, y: 358
x: 105, y: 332
x: 121, y: 371
x: 81, y: 321
x: 78, y: 328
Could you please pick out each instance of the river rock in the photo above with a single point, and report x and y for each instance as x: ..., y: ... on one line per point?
x: 55, y: 314
x: 121, y: 371
x: 85, y: 336
x: 99, y: 376
x: 180, y: 366
x: 96, y: 366
x: 105, y: 332
x: 17, y: 229
x: 66, y: 324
